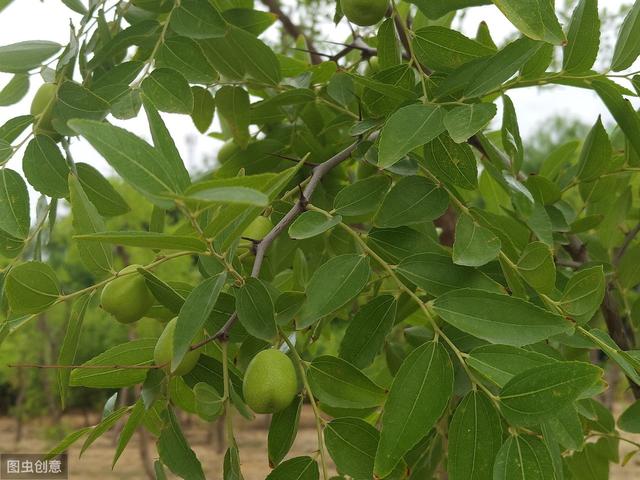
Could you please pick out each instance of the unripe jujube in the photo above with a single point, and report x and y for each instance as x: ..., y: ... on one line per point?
x: 127, y: 297
x: 364, y: 12
x: 163, y: 353
x: 270, y: 382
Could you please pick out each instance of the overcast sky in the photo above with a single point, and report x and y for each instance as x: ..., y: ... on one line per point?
x: 49, y: 20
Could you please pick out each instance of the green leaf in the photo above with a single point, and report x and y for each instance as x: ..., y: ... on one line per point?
x: 311, y: 224
x: 566, y: 428
x: 208, y: 402
x: 193, y: 315
x: 583, y: 39
x: 418, y: 396
x: 583, y: 294
x: 523, y: 457
x: 67, y: 355
x: 501, y: 67
x: 443, y: 49
x: 97, y: 257
x: 15, y: 217
x: 474, y: 245
x: 137, y: 162
x: 244, y: 190
x: 258, y: 59
x: 500, y: 363
x: 396, y: 244
x: 337, y: 383
x: 67, y: 441
x: 24, y: 56
x: 362, y: 197
x: 203, y: 108
x: 253, y: 21
x: 408, y: 128
x: 537, y: 267
x: 31, y: 287
x: 334, y: 284
x: 169, y: 91
x: 412, y: 200
x: 592, y: 463
x: 160, y: 241
x: 389, y: 54
x: 475, y: 437
x: 629, y: 420
x: 233, y: 106
x: 283, y: 431
x: 167, y: 295
x: 175, y: 453
x: 628, y: 44
x: 231, y: 467
x: 197, y: 19
x: 133, y: 422
x: 451, y: 162
x: 14, y: 90
x: 435, y: 9
x: 163, y: 141
x: 76, y: 102
x: 436, y: 274
x: 134, y: 353
x: 621, y: 110
x: 352, y: 444
x: 100, y: 192
x: 541, y: 392
x: 184, y: 55
x: 256, y: 310
x: 499, y: 318
x: 535, y: 18
x: 299, y: 468
x: 511, y: 139
x: 45, y: 167
x: 104, y: 426
x: 596, y: 153
x: 366, y: 333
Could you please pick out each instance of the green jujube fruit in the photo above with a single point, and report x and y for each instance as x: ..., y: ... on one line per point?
x: 42, y: 108
x: 270, y: 382
x: 364, y: 12
x: 163, y: 353
x: 127, y: 297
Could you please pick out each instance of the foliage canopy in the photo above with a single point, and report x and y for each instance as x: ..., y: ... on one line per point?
x: 440, y: 299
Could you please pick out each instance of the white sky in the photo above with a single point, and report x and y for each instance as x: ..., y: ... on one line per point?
x: 48, y: 20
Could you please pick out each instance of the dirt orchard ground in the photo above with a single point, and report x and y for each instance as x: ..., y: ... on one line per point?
x: 251, y: 437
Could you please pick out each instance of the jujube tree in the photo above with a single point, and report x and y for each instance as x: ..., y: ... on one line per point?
x: 372, y: 240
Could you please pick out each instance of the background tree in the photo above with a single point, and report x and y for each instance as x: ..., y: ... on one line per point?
x: 442, y: 296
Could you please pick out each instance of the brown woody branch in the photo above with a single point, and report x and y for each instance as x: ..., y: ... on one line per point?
x: 616, y: 323
x: 300, y: 206
x: 292, y: 29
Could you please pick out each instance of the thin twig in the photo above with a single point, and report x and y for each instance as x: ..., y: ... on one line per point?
x: 292, y: 29
x: 628, y: 238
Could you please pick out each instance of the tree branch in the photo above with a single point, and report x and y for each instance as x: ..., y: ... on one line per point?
x: 318, y: 173
x: 292, y: 29
x: 629, y: 237
x: 610, y: 309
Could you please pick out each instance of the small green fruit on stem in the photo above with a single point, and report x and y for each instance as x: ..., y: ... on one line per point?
x: 364, y: 12
x: 42, y: 108
x: 270, y: 382
x: 127, y: 297
x: 163, y: 353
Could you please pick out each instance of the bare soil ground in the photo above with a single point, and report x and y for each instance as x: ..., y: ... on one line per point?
x: 252, y: 438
